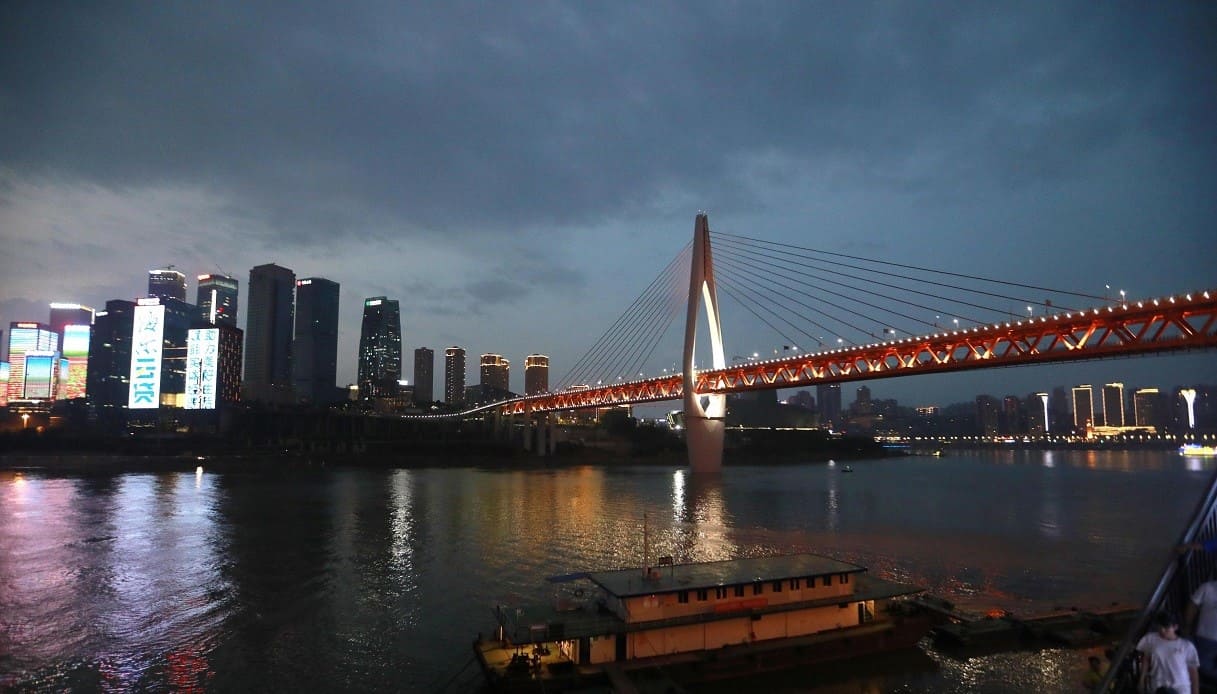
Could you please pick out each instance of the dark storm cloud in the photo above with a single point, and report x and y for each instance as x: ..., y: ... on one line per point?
x: 330, y: 120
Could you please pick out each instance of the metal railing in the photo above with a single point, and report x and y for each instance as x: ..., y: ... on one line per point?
x: 1185, y: 570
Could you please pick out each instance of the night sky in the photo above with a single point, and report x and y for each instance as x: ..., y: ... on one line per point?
x: 517, y: 173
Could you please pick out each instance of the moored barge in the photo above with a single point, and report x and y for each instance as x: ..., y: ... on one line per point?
x: 699, y: 621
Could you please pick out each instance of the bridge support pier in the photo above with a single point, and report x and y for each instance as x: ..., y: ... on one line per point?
x: 704, y: 414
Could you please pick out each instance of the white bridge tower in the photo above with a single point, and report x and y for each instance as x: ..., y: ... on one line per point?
x: 704, y: 414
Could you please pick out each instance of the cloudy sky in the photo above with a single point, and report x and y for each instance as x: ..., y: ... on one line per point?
x: 516, y: 173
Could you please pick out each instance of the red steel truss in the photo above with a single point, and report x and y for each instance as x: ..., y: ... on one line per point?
x: 1158, y: 325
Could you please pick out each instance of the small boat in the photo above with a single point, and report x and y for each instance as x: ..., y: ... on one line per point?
x: 697, y: 622
x: 1197, y: 449
x: 847, y: 469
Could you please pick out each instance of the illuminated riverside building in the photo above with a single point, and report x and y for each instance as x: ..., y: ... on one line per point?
x: 494, y: 377
x: 4, y: 371
x: 315, y: 348
x: 41, y: 373
x: 1083, y: 407
x: 217, y: 299
x: 179, y: 318
x: 26, y: 337
x: 424, y: 375
x: 536, y: 374
x: 213, y: 367
x: 147, y: 351
x: 454, y: 375
x: 269, y: 334
x: 65, y: 314
x: 1113, y: 405
x: 167, y: 284
x: 1147, y: 408
x: 109, y: 371
x: 828, y: 397
x: 75, y: 350
x: 379, y: 348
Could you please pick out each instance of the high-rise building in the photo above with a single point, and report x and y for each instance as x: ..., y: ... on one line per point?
x: 109, y: 372
x: 213, y: 367
x: 268, y: 334
x: 26, y: 337
x: 424, y: 375
x: 167, y: 284
x: 1113, y: 405
x: 1147, y: 408
x: 65, y: 314
x: 1013, y: 416
x: 988, y: 414
x: 495, y: 377
x: 536, y: 374
x: 4, y: 371
x: 1083, y: 407
x: 315, y: 349
x: 454, y: 375
x: 379, y: 348
x: 147, y: 355
x: 74, y: 341
x: 1037, y: 414
x: 217, y: 299
x: 179, y: 318
x: 828, y: 395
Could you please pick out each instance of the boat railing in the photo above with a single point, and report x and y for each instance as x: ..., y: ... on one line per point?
x: 1184, y: 570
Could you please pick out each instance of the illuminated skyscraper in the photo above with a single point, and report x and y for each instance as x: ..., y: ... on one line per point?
x: 1147, y: 408
x: 379, y: 348
x: 110, y: 361
x: 179, y: 318
x: 64, y: 314
x: 26, y: 337
x: 167, y: 284
x: 495, y: 376
x: 1083, y: 407
x: 828, y: 396
x: 217, y: 299
x: 1113, y: 405
x: 268, y: 334
x: 536, y: 374
x: 315, y: 350
x: 75, y: 349
x: 424, y: 375
x: 213, y: 367
x: 454, y: 375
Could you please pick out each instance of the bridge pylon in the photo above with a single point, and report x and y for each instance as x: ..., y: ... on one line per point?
x: 704, y: 414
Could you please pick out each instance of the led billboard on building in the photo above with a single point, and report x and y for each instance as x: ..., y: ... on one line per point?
x: 202, y: 367
x: 4, y: 372
x: 76, y: 351
x: 147, y: 341
x: 40, y: 374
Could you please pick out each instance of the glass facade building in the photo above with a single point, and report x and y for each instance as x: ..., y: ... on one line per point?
x: 315, y: 347
x: 380, y: 348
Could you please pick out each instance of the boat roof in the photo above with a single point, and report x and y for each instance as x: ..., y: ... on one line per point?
x: 668, y: 579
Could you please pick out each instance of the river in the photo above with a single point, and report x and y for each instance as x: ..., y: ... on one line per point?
x: 378, y: 580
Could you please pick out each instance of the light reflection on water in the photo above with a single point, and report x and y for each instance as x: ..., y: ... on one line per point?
x: 377, y: 580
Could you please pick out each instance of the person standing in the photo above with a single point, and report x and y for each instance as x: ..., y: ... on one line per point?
x: 1168, y: 661
x: 1200, y: 621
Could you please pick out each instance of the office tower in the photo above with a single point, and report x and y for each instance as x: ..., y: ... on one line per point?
x: 862, y: 401
x: 424, y: 375
x: 828, y: 395
x: 179, y: 318
x: 1113, y: 405
x: 4, y: 371
x: 167, y: 284
x: 379, y: 348
x: 1012, y: 416
x: 454, y: 375
x: 1083, y: 407
x: 65, y: 314
x: 495, y: 376
x: 315, y: 349
x: 74, y: 341
x: 536, y: 374
x: 26, y: 337
x: 109, y: 370
x: 213, y: 367
x: 217, y: 299
x: 268, y: 334
x: 1147, y: 408
x: 147, y: 353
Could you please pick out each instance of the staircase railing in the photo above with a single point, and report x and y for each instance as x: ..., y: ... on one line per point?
x: 1185, y: 570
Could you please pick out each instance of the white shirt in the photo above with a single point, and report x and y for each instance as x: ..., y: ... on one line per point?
x: 1205, y: 598
x: 1169, y: 660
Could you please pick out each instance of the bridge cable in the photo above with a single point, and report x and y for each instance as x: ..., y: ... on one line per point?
x: 777, y: 298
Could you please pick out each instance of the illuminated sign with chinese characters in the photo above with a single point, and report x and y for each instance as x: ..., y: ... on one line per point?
x: 147, y: 342
x: 202, y: 366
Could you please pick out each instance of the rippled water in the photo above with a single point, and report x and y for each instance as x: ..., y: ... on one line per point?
x: 378, y: 580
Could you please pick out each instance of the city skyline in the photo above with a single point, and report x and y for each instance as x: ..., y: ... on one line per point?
x: 556, y: 157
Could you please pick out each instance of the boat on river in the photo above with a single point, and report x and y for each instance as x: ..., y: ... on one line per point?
x: 697, y: 622
x: 1195, y: 449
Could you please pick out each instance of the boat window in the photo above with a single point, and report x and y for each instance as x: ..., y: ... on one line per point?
x: 828, y: 580
x: 845, y: 578
x: 777, y: 586
x: 758, y: 588
x: 739, y: 591
x: 794, y: 584
x: 720, y: 592
x: 702, y: 594
x: 682, y: 596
